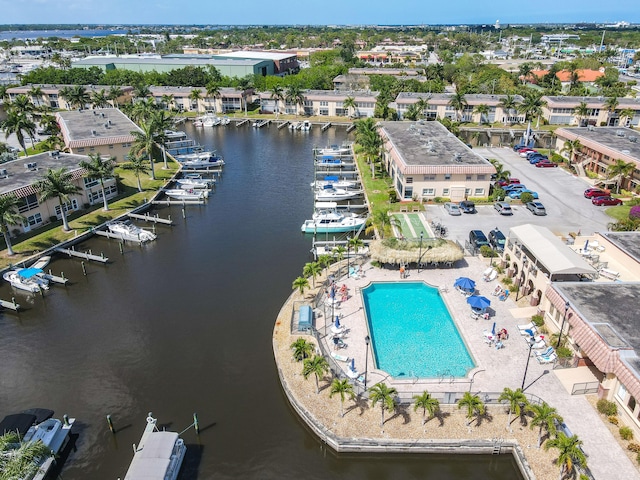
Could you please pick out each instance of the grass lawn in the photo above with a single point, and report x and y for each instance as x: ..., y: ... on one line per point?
x: 619, y: 212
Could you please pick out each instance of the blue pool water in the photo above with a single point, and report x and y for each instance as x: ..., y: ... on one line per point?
x: 412, y: 332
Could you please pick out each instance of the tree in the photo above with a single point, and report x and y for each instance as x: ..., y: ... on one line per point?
x: 162, y: 123
x: 300, y: 284
x: 483, y: 109
x: 545, y: 417
x: 58, y: 183
x: 508, y: 105
x: 569, y: 452
x: 18, y: 124
x: 627, y: 114
x: 581, y: 112
x: 302, y: 349
x: 78, y: 97
x: 516, y: 399
x: 195, y: 96
x: 312, y: 269
x: 115, y: 92
x: 325, y: 261
x: 101, y: 170
x: 167, y: 101
x: 621, y: 170
x: 22, y: 104
x: 381, y: 393
x: 427, y: 403
x: 610, y: 104
x: 213, y: 91
x: 9, y: 216
x: 473, y: 404
x: 459, y: 102
x: 531, y: 106
x: 138, y: 165
x: 572, y: 147
x: 36, y: 94
x: 501, y: 173
x: 351, y: 105
x: 318, y: 366
x: 382, y: 222
x: 343, y: 388
x: 100, y: 99
x: 278, y: 94
x: 19, y: 459
x: 338, y: 253
x: 144, y: 139
x: 141, y: 91
x: 295, y: 96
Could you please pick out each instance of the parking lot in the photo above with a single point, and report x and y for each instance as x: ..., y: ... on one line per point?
x: 560, y: 192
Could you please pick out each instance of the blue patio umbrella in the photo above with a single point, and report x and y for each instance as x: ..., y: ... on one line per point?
x: 479, y: 302
x: 465, y: 284
x: 493, y: 329
x: 586, y: 245
x: 337, y: 323
x: 332, y: 292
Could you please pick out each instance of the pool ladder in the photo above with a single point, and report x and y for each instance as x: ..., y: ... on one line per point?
x: 444, y: 375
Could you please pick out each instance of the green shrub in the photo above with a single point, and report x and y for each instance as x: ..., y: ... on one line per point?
x: 487, y: 252
x: 613, y: 420
x: 507, y: 281
x: 634, y: 447
x: 440, y: 199
x: 555, y: 158
x: 564, y: 352
x: 606, y: 407
x: 638, y: 458
x: 626, y: 433
x: 526, y: 197
x: 537, y: 320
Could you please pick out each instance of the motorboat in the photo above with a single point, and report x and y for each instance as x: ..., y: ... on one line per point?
x: 225, y: 120
x: 295, y: 125
x: 200, y: 160
x: 28, y: 279
x: 329, y: 161
x: 334, y: 150
x: 186, y: 195
x: 174, y: 135
x: 334, y: 181
x: 210, y: 121
x: 195, y: 183
x: 158, y: 455
x: 183, y: 147
x: 306, y: 126
x: 327, y: 219
x: 132, y: 232
x: 198, y: 122
x: 329, y: 193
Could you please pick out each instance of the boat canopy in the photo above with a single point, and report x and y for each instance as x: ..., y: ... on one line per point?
x: 29, y: 272
x: 331, y: 178
x: 321, y: 205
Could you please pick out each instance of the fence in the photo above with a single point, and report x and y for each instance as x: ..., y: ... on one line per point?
x: 585, y: 388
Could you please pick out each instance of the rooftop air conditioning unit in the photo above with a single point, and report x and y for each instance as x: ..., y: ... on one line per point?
x: 106, y: 125
x: 93, y: 132
x: 633, y: 139
x: 591, y: 128
x: 4, y: 173
x: 102, y: 114
x: 620, y: 133
x: 31, y: 166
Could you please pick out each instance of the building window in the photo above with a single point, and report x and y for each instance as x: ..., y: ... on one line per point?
x: 90, y: 182
x: 92, y: 149
x: 621, y: 393
x: 479, y: 192
x: 33, y: 220
x: 428, y: 192
x: 80, y: 150
x: 467, y: 192
x: 631, y: 403
x: 324, y: 103
x: 28, y: 203
x: 68, y: 207
x: 469, y: 177
x: 482, y: 177
x: 445, y: 192
x: 409, y: 180
x: 447, y: 176
x: 429, y: 178
x: 111, y: 147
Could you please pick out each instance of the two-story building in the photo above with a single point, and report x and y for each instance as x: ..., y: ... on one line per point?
x: 226, y: 100
x: 324, y: 103
x: 426, y: 161
x: 50, y: 95
x: 560, y: 110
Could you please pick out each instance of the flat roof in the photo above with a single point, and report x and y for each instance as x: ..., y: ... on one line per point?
x: 445, y: 98
x: 620, y: 139
x: 20, y: 179
x: 262, y: 55
x: 550, y: 251
x: 425, y: 143
x: 99, y: 126
x: 627, y: 242
x: 179, y: 61
x: 623, y: 102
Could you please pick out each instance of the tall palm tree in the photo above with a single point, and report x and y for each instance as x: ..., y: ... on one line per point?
x: 317, y: 365
x: 572, y: 147
x: 581, y: 112
x: 22, y: 104
x: 144, y: 140
x: 569, y: 452
x: 302, y: 349
x: 343, y: 388
x: 422, y: 104
x: 312, y: 269
x: 138, y: 165
x: 36, y: 95
x: 381, y: 393
x: 382, y: 222
x: 162, y: 122
x: 18, y: 124
x: 294, y: 95
x: 100, y: 99
x: 141, y: 91
x: 483, y: 109
x: 355, y: 244
x: 278, y: 94
x: 338, y: 253
x: 115, y: 92
x: 195, y: 96
x: 143, y: 109
x: 9, y: 216
x: 544, y: 416
x: 508, y: 105
x: 351, y: 105
x: 412, y: 112
x: 167, y: 101
x: 531, y: 106
x: 516, y: 399
x: 611, y: 104
x: 300, y: 284
x: 66, y: 93
x: 627, y: 114
x: 427, y: 403
x: 58, y: 183
x: 100, y: 170
x: 459, y: 102
x: 213, y: 91
x: 79, y: 97
x: 473, y: 404
x: 501, y: 173
x: 325, y: 261
x: 622, y: 170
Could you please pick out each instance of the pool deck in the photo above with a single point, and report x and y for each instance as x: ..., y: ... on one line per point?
x: 496, y: 369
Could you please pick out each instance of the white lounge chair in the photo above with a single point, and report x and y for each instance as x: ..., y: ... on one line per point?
x: 491, y: 277
x: 548, y: 351
x: 340, y: 358
x: 528, y: 326
x: 497, y: 291
x: 539, y: 345
x: 550, y: 359
x: 487, y: 272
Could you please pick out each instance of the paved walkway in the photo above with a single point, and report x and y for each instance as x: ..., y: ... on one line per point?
x: 495, y: 370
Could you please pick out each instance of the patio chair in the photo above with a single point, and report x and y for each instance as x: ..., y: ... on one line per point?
x: 491, y: 277
x: 353, y: 273
x: 497, y: 291
x: 487, y: 272
x: 339, y: 343
x: 340, y: 358
x: 504, y: 296
x: 528, y: 326
x: 540, y: 344
x: 550, y: 359
x: 546, y: 352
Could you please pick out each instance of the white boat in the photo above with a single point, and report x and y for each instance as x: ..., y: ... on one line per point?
x: 327, y: 219
x: 186, y: 195
x: 28, y: 279
x: 198, y: 122
x: 129, y: 231
x: 225, y: 120
x: 334, y: 150
x: 158, y: 455
x: 329, y: 193
x: 306, y: 126
x: 200, y: 160
x: 329, y: 161
x: 54, y: 434
x: 295, y: 125
x: 336, y: 182
x: 187, y: 183
x: 173, y: 135
x: 210, y: 121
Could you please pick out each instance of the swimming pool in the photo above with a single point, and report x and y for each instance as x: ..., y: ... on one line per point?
x: 412, y: 332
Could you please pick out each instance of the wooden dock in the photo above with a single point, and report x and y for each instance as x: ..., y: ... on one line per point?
x: 178, y: 202
x: 55, y: 279
x: 260, y: 124
x: 12, y: 305
x: 242, y: 122
x: 283, y: 124
x: 325, y: 126
x: 351, y: 127
x: 83, y: 255
x: 148, y: 218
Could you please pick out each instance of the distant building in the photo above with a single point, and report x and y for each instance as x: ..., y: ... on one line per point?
x: 227, y: 100
x: 104, y: 130
x: 425, y: 161
x: 285, y: 63
x: 51, y: 94
x: 558, y: 37
x: 561, y: 110
x: 322, y: 103
x: 584, y: 76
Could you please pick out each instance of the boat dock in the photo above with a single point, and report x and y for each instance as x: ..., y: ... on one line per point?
x: 242, y: 122
x: 325, y: 126
x: 325, y: 247
x: 117, y: 236
x: 12, y: 305
x: 148, y: 218
x: 84, y: 255
x: 55, y: 279
x: 260, y: 124
x: 178, y: 202
x: 283, y: 124
x: 351, y: 127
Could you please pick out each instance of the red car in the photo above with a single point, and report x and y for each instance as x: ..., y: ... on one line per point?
x: 595, y: 192
x: 545, y: 164
x: 504, y: 183
x: 606, y: 201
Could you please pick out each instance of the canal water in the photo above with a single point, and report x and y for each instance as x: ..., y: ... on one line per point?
x: 184, y: 325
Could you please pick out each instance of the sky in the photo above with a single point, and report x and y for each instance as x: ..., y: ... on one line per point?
x: 319, y: 12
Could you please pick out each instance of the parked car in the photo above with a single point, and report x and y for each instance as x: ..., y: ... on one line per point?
x: 602, y: 200
x: 503, y: 208
x: 595, y: 192
x: 467, y: 206
x: 497, y: 239
x: 535, y: 159
x: 504, y: 183
x: 452, y: 208
x: 523, y: 151
x: 514, y: 187
x: 532, y: 153
x: 536, y: 208
x: 518, y: 193
x: 546, y: 164
x: 477, y: 238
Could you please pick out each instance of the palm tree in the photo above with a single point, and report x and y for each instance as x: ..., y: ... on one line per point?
x: 581, y: 112
x: 100, y: 99
x: 627, y: 114
x: 412, y: 112
x: 501, y: 173
x: 459, y: 102
x: 144, y: 141
x: 325, y: 261
x: 531, y: 106
x: 294, y: 95
x: 318, y: 366
x: 138, y: 165
x: 572, y: 147
x: 483, y: 109
x: 312, y: 269
x: 115, y: 92
x: 382, y: 222
x: 610, y: 104
x: 622, y: 170
x: 22, y: 104
x: 58, y: 183
x: 508, y: 105
x: 167, y: 101
x: 213, y: 91
x: 66, y: 93
x: 36, y: 94
x: 9, y: 216
x: 516, y: 399
x: 350, y: 104
x: 569, y: 452
x: 338, y: 253
x: 473, y: 404
x: 99, y: 169
x: 355, y: 244
x: 195, y: 96
x: 300, y: 284
x: 427, y: 403
x: 343, y: 388
x: 302, y: 349
x: 162, y: 122
x: 78, y: 97
x: 278, y: 94
x: 18, y: 124
x: 141, y: 91
x: 143, y: 109
x: 422, y: 104
x: 544, y: 416
x: 384, y: 395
